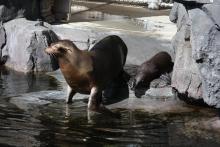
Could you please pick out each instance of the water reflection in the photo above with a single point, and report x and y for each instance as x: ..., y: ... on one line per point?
x: 33, y: 113
x: 131, y: 129
x: 13, y: 83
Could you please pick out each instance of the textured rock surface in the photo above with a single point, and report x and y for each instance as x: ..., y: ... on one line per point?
x: 2, y: 36
x: 25, y: 46
x: 2, y: 42
x: 10, y: 9
x: 196, y: 71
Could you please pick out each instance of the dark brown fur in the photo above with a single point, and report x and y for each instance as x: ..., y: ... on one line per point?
x: 88, y: 72
x: 149, y: 70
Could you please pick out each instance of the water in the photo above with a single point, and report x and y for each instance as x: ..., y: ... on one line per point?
x: 33, y: 113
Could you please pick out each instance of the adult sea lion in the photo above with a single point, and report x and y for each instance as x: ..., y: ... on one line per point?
x: 159, y: 64
x: 89, y: 72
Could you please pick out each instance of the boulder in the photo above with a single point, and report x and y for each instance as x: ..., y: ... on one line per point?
x: 2, y: 36
x: 196, y: 74
x: 26, y: 41
x: 2, y: 43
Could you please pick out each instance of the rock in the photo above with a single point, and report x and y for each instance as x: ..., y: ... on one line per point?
x: 163, y: 81
x: 26, y: 41
x: 2, y: 36
x: 2, y: 42
x: 206, y: 48
x: 186, y: 78
x: 196, y: 73
x: 7, y: 14
x: 10, y: 9
x: 160, y: 92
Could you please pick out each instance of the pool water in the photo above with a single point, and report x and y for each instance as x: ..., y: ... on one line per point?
x: 33, y: 113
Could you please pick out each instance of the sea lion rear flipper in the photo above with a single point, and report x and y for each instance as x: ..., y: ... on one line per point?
x: 95, y: 99
x: 118, y: 88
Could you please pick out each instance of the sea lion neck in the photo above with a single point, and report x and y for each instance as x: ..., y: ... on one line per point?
x: 77, y: 59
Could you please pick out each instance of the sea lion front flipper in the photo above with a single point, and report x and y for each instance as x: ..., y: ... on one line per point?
x: 70, y: 94
x: 95, y: 99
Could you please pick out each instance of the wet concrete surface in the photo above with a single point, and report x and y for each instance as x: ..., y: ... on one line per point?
x: 36, y: 115
x: 142, y: 41
x: 80, y: 11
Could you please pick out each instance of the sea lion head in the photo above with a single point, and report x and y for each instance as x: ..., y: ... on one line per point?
x: 61, y: 48
x: 140, y: 80
x: 140, y: 84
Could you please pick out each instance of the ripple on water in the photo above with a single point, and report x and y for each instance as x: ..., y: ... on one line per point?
x: 38, y: 116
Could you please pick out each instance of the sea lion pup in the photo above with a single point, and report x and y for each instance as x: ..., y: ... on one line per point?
x: 89, y: 72
x: 159, y: 64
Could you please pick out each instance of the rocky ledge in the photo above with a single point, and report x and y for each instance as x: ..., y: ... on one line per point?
x: 196, y: 75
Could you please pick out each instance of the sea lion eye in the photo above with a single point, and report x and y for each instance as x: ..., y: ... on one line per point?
x: 62, y: 50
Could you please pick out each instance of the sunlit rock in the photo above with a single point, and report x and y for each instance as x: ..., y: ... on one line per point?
x: 26, y: 41
x: 196, y: 73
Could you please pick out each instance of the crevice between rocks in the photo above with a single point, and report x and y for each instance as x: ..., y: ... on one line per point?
x: 3, y: 40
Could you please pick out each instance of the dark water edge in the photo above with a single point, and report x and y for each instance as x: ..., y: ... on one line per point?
x: 33, y: 113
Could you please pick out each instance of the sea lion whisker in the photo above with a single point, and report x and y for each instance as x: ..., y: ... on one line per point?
x: 69, y: 50
x: 54, y: 55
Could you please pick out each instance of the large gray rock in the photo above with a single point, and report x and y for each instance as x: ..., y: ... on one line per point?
x: 206, y: 50
x: 2, y: 42
x: 196, y: 73
x: 26, y: 41
x: 2, y: 36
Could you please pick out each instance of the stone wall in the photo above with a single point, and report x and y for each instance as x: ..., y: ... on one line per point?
x: 196, y: 75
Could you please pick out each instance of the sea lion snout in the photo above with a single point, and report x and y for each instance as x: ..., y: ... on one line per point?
x: 59, y: 48
x: 138, y: 81
x: 51, y: 50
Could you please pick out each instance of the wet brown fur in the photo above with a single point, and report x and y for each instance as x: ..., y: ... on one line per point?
x: 88, y: 72
x: 151, y: 69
